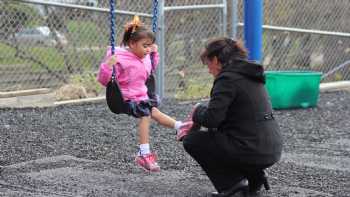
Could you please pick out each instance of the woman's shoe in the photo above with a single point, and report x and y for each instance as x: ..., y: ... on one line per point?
x: 260, y: 181
x: 266, y: 183
x: 241, y: 186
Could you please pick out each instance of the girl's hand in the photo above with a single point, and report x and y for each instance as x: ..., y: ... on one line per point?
x: 154, y: 48
x: 111, y: 61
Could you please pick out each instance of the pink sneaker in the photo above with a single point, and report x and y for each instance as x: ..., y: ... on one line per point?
x: 148, y: 162
x: 184, y: 130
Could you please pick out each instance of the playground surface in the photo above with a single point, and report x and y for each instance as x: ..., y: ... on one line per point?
x: 85, y: 150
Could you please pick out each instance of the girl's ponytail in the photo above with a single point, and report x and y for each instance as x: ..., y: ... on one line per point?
x: 136, y: 30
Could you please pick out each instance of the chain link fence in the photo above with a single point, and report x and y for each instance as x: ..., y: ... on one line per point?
x: 187, y: 29
x: 53, y: 43
x: 50, y: 43
x: 305, y: 35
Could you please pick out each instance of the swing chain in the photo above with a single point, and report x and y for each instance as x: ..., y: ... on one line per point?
x: 112, y: 20
x: 154, y: 26
x: 155, y: 15
x: 112, y: 38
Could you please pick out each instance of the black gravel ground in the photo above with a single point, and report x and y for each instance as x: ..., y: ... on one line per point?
x: 85, y: 150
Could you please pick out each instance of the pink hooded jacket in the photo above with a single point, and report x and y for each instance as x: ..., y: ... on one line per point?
x: 131, y: 73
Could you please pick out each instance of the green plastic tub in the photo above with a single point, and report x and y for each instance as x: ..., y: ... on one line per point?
x: 293, y: 89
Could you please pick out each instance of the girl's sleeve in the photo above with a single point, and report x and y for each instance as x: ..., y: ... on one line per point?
x: 156, y: 60
x: 104, y: 72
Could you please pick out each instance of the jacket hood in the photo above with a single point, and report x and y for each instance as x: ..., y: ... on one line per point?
x: 123, y: 53
x: 246, y: 68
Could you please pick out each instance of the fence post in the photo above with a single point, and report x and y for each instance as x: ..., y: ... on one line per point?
x: 161, y: 43
x: 234, y: 19
x: 253, y: 19
x: 224, y: 17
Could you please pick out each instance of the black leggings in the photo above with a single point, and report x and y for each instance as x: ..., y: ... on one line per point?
x: 222, y: 172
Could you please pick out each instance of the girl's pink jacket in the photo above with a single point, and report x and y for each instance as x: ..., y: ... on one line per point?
x: 131, y: 73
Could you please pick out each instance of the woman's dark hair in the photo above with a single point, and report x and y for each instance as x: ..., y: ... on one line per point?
x: 225, y: 49
x: 135, y: 31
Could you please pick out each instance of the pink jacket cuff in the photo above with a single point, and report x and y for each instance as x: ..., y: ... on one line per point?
x: 104, y: 74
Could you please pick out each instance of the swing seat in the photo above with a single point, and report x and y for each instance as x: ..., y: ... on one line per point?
x: 115, y: 99
x: 151, y: 87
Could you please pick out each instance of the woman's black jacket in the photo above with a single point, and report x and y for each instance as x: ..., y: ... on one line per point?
x: 240, y: 110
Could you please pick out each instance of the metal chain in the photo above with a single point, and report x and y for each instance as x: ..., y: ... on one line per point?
x: 154, y: 27
x: 112, y: 38
x: 112, y: 17
x: 155, y: 16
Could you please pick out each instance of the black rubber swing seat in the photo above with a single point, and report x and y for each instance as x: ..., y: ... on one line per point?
x: 115, y: 99
x: 151, y: 86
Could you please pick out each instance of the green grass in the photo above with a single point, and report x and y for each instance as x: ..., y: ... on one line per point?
x: 198, y: 81
x: 51, y: 57
x: 7, y: 56
x: 85, y: 32
x: 194, y: 91
x: 196, y: 88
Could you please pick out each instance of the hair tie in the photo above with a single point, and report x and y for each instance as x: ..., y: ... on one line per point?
x: 134, y: 24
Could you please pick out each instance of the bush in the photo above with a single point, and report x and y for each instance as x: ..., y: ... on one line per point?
x: 89, y: 82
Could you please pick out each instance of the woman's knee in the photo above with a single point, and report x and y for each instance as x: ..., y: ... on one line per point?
x: 190, y: 143
x: 186, y: 144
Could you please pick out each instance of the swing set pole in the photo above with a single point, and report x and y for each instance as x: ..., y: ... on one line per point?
x: 253, y: 19
x: 161, y: 43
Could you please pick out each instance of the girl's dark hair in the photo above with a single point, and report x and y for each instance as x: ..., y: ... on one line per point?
x: 135, y: 31
x: 225, y: 49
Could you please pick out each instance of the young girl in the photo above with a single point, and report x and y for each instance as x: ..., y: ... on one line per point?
x: 133, y: 66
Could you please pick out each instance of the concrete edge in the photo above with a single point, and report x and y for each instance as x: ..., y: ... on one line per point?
x: 335, y: 86
x: 78, y: 101
x: 324, y: 87
x: 24, y: 92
